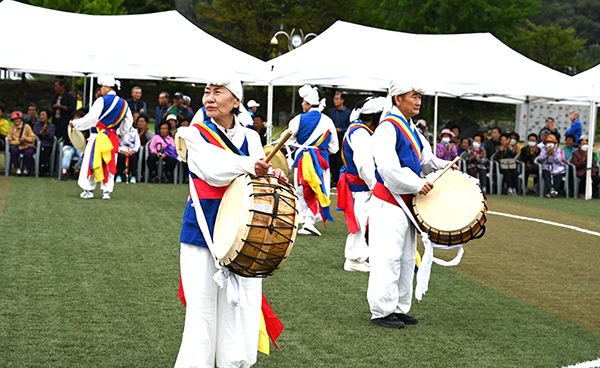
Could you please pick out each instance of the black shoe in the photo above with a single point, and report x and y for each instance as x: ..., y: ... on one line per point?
x: 64, y: 177
x: 389, y: 321
x: 408, y: 320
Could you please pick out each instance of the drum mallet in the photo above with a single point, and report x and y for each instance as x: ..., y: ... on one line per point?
x: 447, y: 168
x: 287, y: 136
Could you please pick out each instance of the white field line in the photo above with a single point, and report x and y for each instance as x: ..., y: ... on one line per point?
x: 586, y: 231
x: 590, y: 364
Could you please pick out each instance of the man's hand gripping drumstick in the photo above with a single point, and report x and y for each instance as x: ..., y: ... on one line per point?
x: 429, y: 184
x: 262, y: 166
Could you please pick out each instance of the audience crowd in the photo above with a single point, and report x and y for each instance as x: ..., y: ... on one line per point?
x: 500, y: 157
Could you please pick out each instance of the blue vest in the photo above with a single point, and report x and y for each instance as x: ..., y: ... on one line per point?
x: 308, y: 123
x: 350, y: 167
x: 404, y: 149
x: 114, y: 118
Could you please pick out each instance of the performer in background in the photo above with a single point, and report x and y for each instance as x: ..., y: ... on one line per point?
x: 110, y: 119
x: 219, y: 149
x: 357, y: 179
x: 401, y: 155
x: 315, y: 137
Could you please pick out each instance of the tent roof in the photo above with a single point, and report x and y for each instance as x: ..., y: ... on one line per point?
x: 476, y: 65
x: 95, y: 44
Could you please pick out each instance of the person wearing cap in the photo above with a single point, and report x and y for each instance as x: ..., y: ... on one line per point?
x: 62, y: 106
x: 446, y: 149
x: 402, y: 156
x: 551, y: 128
x: 173, y: 123
x: 553, y: 166
x: 259, y: 127
x: 252, y: 107
x: 357, y: 180
x: 109, y: 118
x: 221, y: 323
x: 575, y: 127
x: 179, y: 109
x: 315, y: 137
x: 22, y: 141
x: 580, y: 161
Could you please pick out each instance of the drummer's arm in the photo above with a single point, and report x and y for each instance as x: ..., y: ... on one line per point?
x: 334, y: 143
x: 400, y: 180
x: 91, y: 118
x: 126, y: 124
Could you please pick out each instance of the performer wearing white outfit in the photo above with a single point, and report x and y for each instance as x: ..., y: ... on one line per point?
x: 357, y: 179
x: 221, y: 324
x: 315, y: 138
x: 110, y: 119
x: 401, y: 156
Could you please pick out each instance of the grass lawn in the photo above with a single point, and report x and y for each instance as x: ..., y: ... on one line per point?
x: 88, y: 283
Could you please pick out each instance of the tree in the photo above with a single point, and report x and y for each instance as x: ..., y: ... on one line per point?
x: 500, y: 17
x: 95, y: 7
x: 552, y: 46
x: 249, y: 25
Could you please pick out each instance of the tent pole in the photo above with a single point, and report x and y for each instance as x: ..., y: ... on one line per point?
x: 269, y: 112
x: 435, y: 119
x: 527, y: 116
x: 91, y: 90
x: 293, y: 99
x: 85, y: 83
x: 590, y: 152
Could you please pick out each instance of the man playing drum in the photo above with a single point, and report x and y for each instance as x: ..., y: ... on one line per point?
x: 401, y: 154
x: 221, y: 324
x: 110, y: 119
x: 357, y: 179
x: 315, y: 137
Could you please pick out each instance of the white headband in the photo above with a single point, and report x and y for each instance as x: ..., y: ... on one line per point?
x: 309, y: 94
x: 234, y: 85
x: 398, y: 88
x: 108, y: 81
x: 373, y: 105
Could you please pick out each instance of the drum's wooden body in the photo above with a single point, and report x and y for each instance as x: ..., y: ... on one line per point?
x: 256, y: 225
x: 454, y: 211
x: 278, y: 161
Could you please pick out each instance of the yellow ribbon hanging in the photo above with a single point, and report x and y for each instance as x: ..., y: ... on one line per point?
x: 102, y: 153
x: 313, y: 180
x: 263, y: 336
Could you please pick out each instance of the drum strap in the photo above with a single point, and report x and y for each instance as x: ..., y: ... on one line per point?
x: 424, y: 272
x: 222, y: 277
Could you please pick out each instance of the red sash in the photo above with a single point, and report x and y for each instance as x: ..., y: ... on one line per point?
x: 345, y: 201
x: 382, y: 192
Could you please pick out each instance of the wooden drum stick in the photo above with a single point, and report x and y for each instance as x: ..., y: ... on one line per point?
x: 447, y: 168
x: 287, y: 136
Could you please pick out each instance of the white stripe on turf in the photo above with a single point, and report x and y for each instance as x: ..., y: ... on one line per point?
x: 590, y: 364
x: 546, y: 222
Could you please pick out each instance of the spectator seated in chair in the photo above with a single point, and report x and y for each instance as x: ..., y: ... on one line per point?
x: 465, y: 143
x: 580, y: 162
x: 476, y: 161
x: 44, y: 130
x: 529, y: 153
x: 569, y: 146
x: 553, y: 169
x: 162, y: 146
x: 127, y: 162
x: 514, y: 139
x: 446, y: 149
x: 505, y: 156
x: 22, y: 141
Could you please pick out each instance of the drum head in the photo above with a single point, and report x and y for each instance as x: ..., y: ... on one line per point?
x: 278, y: 161
x: 454, y: 203
x: 181, y: 147
x: 234, y: 214
x: 77, y: 138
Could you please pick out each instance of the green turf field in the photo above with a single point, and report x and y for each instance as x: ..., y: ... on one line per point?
x: 92, y: 283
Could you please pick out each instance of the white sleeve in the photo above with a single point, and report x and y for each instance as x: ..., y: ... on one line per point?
x: 216, y: 166
x: 400, y: 180
x: 363, y: 156
x: 293, y: 126
x: 91, y: 118
x: 334, y: 144
x: 126, y: 124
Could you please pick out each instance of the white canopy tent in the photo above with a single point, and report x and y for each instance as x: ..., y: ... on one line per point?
x: 127, y: 46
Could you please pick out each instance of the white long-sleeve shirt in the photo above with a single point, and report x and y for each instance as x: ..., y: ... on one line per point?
x: 398, y: 179
x: 93, y: 117
x: 324, y: 124
x: 360, y: 142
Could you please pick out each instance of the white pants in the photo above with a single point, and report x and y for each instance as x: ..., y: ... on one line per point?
x: 356, y: 246
x: 305, y: 214
x: 392, y: 246
x: 89, y: 183
x: 214, y: 328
